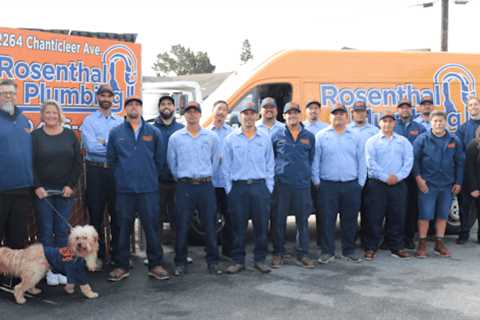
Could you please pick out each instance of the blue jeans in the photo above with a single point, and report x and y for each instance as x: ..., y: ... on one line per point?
x: 146, y: 205
x: 288, y: 199
x: 53, y: 229
x: 435, y: 203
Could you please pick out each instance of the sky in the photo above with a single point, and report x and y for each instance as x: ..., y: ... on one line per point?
x: 220, y: 27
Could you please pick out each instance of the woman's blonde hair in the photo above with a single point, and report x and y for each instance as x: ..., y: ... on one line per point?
x: 61, y: 118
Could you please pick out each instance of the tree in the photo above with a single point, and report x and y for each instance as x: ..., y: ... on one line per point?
x: 246, y: 52
x: 181, y: 61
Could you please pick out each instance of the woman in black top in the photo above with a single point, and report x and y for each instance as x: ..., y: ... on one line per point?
x: 472, y: 174
x: 56, y: 167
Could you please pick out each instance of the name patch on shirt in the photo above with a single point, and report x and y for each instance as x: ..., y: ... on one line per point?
x: 305, y: 141
x: 414, y: 133
x: 147, y: 138
x: 451, y: 145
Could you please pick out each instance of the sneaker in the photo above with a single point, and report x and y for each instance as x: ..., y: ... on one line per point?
x: 306, y: 262
x: 440, y: 248
x: 421, y: 248
x: 235, y: 268
x: 326, y: 258
x: 52, y: 279
x: 262, y: 267
x: 189, y: 260
x: 409, y: 244
x: 352, y: 257
x: 214, y: 269
x: 61, y: 278
x: 277, y: 261
x: 369, y: 255
x: 180, y: 270
x: 159, y: 273
x: 461, y: 240
x: 401, y: 254
x: 118, y: 274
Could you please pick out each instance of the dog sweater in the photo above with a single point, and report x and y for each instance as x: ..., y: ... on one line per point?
x: 63, y: 260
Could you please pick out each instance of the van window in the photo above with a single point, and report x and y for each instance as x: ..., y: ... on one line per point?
x: 281, y: 92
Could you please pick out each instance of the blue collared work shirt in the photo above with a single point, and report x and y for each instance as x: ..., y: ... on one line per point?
x: 218, y: 179
x: 315, y: 126
x: 270, y: 131
x: 388, y: 156
x: 95, y: 130
x: 248, y: 158
x: 338, y: 157
x: 193, y: 157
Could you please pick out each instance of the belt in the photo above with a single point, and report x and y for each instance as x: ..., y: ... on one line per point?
x: 98, y: 164
x: 331, y: 181
x: 196, y: 181
x: 249, y: 181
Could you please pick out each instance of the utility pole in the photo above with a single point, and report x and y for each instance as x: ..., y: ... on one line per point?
x: 444, y: 43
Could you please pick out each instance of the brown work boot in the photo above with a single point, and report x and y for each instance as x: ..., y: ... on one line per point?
x: 401, y: 254
x: 159, y: 273
x: 369, y: 255
x: 421, y: 248
x: 440, y: 248
x: 277, y: 261
x: 306, y: 262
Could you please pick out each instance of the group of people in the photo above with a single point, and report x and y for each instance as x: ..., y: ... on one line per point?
x: 399, y: 176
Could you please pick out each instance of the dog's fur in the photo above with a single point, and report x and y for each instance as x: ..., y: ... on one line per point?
x: 31, y: 265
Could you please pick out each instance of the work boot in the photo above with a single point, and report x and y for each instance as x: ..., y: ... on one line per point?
x: 421, y: 248
x: 277, y: 261
x: 440, y: 248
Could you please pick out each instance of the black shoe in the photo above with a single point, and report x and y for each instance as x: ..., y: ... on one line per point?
x: 214, y: 269
x: 409, y: 244
x: 462, y: 240
x: 180, y: 271
x: 262, y: 267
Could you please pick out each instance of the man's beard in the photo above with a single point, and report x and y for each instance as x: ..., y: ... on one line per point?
x: 166, y: 114
x: 9, y: 108
x: 105, y: 105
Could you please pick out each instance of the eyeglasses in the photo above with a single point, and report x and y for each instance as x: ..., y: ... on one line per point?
x: 8, y: 93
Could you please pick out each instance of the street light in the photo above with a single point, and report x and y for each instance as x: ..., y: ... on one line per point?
x: 444, y: 35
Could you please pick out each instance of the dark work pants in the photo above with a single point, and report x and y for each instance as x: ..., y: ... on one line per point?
x: 146, y: 205
x: 249, y: 201
x: 465, y: 201
x: 100, y: 195
x: 167, y: 201
x: 289, y: 199
x: 202, y: 198
x: 343, y: 198
x: 385, y: 202
x: 318, y: 214
x: 15, y: 209
x: 412, y: 207
x: 222, y: 205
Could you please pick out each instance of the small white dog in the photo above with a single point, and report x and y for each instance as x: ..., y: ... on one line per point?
x: 31, y: 264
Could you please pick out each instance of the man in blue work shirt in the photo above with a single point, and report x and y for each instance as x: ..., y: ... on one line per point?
x: 389, y: 158
x: 16, y: 177
x: 220, y: 112
x: 466, y: 133
x: 100, y: 189
x: 339, y: 174
x: 405, y: 126
x: 294, y: 148
x: 248, y: 164
x: 364, y: 131
x: 135, y: 153
x: 193, y: 156
x: 167, y: 125
x: 426, y: 108
x: 269, y: 112
x: 314, y: 125
x: 438, y: 169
